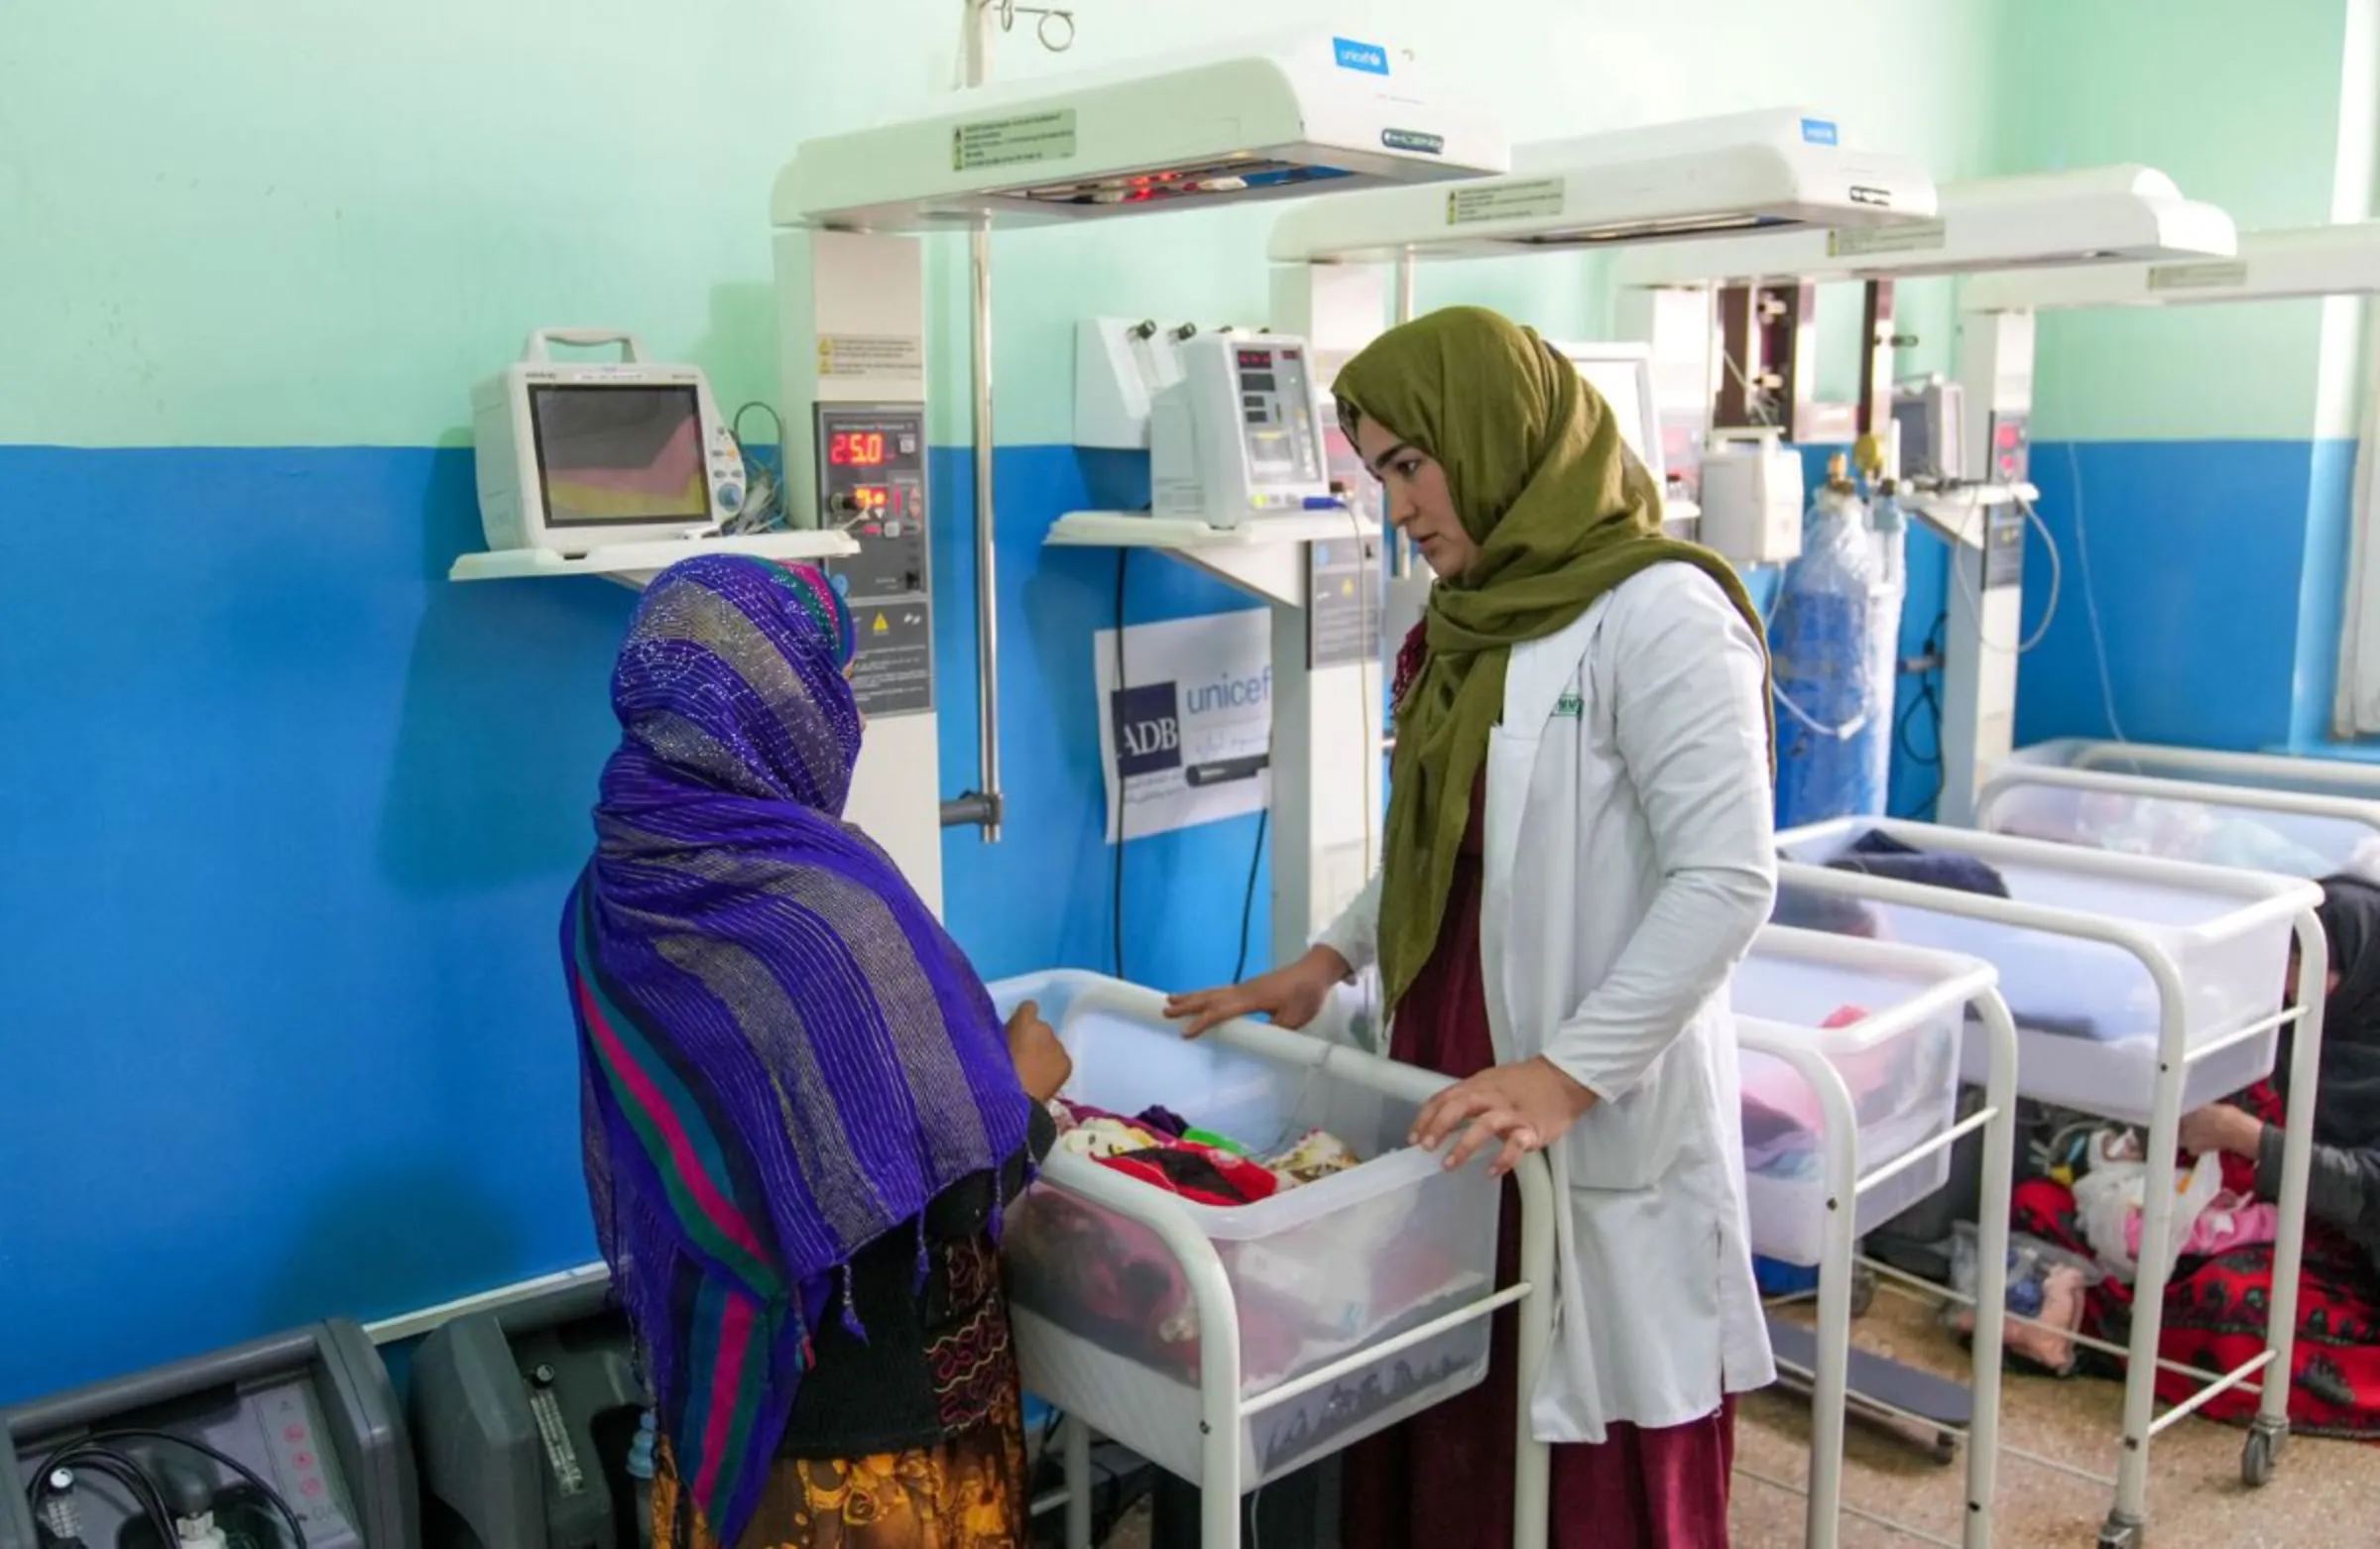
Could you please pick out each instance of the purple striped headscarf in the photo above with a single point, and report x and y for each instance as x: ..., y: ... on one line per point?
x: 783, y: 1055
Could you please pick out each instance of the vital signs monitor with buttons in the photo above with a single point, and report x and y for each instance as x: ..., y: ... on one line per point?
x: 575, y: 456
x: 1238, y: 437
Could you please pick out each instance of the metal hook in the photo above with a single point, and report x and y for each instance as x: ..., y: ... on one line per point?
x: 1044, y: 31
x: 1054, y: 31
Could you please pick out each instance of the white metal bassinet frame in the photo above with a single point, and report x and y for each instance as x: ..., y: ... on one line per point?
x: 2361, y: 811
x: 2269, y: 1371
x: 2346, y: 777
x: 1223, y: 1410
x: 1830, y: 1396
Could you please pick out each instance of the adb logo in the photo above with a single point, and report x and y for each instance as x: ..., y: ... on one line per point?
x: 1149, y: 729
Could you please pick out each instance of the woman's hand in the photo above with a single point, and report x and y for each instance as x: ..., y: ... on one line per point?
x: 1527, y: 1106
x: 1043, y: 1064
x: 1292, y: 997
x: 2219, y: 1127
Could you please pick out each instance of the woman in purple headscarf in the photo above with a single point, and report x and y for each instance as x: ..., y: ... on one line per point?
x: 802, y: 1114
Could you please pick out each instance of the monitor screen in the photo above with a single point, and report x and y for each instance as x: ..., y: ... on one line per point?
x: 620, y: 455
x: 1622, y: 387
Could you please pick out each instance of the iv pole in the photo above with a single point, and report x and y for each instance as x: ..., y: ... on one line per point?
x: 984, y: 805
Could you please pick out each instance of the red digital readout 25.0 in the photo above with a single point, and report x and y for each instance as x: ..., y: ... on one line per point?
x: 855, y: 448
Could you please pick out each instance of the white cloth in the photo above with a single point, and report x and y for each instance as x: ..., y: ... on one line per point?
x: 1629, y: 861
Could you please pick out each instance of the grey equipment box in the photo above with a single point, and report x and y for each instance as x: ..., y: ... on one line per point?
x: 525, y: 1417
x: 310, y: 1412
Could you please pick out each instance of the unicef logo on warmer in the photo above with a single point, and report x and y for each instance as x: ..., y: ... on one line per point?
x: 1369, y: 58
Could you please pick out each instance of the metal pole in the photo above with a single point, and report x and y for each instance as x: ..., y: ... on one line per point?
x: 987, y: 573
x: 984, y: 804
x: 1402, y: 555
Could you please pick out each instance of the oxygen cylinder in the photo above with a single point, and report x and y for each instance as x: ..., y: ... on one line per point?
x: 1832, y: 644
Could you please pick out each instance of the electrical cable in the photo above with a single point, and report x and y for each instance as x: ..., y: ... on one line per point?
x: 226, y: 1459
x: 764, y: 487
x: 1928, y: 698
x: 1755, y: 398
x: 1248, y: 903
x: 1116, y: 735
x: 1370, y: 754
x: 2091, y: 599
x: 1969, y: 588
x: 90, y: 1457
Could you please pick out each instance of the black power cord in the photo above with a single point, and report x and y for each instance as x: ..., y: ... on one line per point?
x: 100, y: 1447
x: 1928, y: 698
x: 247, y: 1474
x: 1116, y: 735
x: 111, y: 1464
x: 1248, y: 903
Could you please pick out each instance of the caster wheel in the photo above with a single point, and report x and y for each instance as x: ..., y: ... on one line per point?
x: 1864, y: 1291
x: 2127, y: 1536
x: 2257, y: 1458
x: 1945, y: 1448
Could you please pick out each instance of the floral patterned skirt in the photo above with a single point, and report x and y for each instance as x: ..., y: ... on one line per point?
x: 966, y: 1492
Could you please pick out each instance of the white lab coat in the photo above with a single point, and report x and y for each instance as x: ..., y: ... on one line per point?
x: 1628, y: 862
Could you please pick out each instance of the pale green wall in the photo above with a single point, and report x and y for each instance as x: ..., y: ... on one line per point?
x: 299, y: 221
x: 2241, y: 103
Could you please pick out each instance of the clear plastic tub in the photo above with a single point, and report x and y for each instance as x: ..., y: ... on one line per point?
x: 2346, y: 777
x: 2263, y: 830
x: 1105, y: 1322
x: 1895, y: 1018
x: 2074, y: 942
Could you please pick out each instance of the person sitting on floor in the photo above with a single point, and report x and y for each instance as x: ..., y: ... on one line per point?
x: 2214, y: 1307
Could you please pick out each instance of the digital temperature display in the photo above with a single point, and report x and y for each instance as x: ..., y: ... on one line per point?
x: 856, y: 450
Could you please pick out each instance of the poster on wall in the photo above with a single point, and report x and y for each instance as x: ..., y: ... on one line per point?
x: 1187, y: 737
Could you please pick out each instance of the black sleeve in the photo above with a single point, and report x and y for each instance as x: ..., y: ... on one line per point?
x: 1041, y: 1138
x: 965, y: 1208
x: 2343, y: 1187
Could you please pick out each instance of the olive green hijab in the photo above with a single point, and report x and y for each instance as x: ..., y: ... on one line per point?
x: 1562, y: 514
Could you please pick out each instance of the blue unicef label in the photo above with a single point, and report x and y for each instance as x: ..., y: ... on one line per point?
x: 1369, y: 58
x: 1820, y: 131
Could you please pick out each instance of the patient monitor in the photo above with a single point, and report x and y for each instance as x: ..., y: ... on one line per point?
x: 1622, y: 375
x: 575, y: 456
x: 1238, y: 437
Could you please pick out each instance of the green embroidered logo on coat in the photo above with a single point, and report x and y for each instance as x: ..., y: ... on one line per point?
x: 1570, y: 707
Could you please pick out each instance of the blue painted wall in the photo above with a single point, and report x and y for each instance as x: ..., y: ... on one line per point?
x: 291, y: 817
x: 2218, y: 569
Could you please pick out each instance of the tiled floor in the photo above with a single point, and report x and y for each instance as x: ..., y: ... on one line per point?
x: 2325, y: 1494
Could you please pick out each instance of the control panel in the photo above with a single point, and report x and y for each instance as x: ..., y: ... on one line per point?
x: 725, y: 458
x: 872, y: 483
x: 290, y: 1440
x: 2003, y: 558
x: 1237, y: 439
x: 1276, y: 401
x: 2011, y: 449
x: 527, y: 1422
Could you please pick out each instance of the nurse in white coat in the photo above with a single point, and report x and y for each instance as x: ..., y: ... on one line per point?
x: 1579, y: 852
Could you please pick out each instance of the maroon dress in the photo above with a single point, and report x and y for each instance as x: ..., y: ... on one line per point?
x: 1443, y: 1480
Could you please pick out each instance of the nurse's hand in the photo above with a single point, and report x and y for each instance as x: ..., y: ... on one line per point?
x: 1526, y: 1108
x: 1292, y: 997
